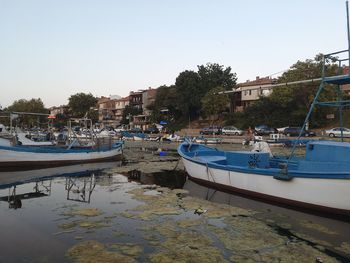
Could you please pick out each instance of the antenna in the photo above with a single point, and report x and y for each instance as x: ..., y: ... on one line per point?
x: 347, y: 24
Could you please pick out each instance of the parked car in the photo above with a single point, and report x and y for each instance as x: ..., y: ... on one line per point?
x: 231, y: 130
x: 211, y: 130
x: 151, y: 130
x: 264, y: 130
x: 281, y: 130
x: 295, y: 131
x: 336, y: 132
x: 136, y: 130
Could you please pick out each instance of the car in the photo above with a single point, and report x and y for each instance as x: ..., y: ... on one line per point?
x: 281, y: 130
x: 336, y: 132
x: 211, y: 130
x: 295, y: 131
x: 264, y: 130
x: 151, y: 130
x: 135, y: 130
x: 231, y: 130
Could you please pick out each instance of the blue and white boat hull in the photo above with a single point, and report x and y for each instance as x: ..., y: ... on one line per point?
x: 21, y: 156
x: 307, y: 190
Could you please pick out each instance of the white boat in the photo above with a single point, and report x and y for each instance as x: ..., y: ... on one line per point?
x: 14, y: 157
x: 25, y: 140
x: 310, y: 183
x: 208, y: 140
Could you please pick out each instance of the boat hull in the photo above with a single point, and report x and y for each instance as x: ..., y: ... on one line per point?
x: 325, y: 195
x: 11, y: 159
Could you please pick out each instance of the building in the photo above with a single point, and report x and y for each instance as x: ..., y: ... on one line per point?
x: 108, y: 114
x: 119, y: 106
x: 148, y: 98
x: 248, y: 92
x: 63, y: 109
x: 142, y: 100
x: 135, y: 99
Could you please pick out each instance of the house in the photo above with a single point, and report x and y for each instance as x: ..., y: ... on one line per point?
x: 119, y: 106
x: 107, y: 111
x: 248, y: 92
x: 63, y: 109
x: 135, y: 99
x: 142, y: 99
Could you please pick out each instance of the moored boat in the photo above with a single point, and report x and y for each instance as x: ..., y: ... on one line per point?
x: 14, y: 157
x: 310, y: 182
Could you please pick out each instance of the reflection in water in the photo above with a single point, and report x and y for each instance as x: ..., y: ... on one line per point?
x: 14, y: 199
x: 111, y: 208
x: 80, y: 182
x: 80, y: 189
x: 170, y: 178
x: 316, y: 228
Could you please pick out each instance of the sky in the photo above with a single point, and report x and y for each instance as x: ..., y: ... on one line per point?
x: 52, y: 49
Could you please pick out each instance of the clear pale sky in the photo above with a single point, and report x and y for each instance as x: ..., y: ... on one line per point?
x: 53, y: 49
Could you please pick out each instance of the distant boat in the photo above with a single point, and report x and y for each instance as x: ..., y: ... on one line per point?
x: 208, y: 140
x: 14, y: 157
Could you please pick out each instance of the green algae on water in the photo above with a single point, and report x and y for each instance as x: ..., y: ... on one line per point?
x: 127, y: 249
x: 89, y: 212
x: 344, y: 247
x: 93, y: 251
x: 317, y: 227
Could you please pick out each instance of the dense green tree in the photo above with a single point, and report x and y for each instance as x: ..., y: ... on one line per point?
x: 165, y: 107
x: 33, y: 105
x: 213, y: 103
x: 296, y: 99
x: 29, y: 106
x: 214, y: 75
x: 81, y: 103
x: 189, y: 94
x: 193, y: 86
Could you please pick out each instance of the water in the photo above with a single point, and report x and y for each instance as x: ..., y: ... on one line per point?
x: 33, y: 213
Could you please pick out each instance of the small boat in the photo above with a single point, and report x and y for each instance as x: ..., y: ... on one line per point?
x: 205, y: 140
x: 310, y: 182
x: 14, y: 157
x: 139, y: 136
x: 278, y: 139
x: 27, y: 140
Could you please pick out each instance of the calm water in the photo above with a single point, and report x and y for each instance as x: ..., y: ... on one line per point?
x: 32, y: 212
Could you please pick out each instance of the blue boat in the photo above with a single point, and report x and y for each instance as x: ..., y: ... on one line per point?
x: 18, y: 157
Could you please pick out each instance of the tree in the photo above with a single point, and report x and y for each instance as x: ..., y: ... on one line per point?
x: 189, y: 94
x: 214, y: 75
x: 296, y: 99
x: 165, y: 105
x: 81, y: 103
x: 29, y: 106
x: 193, y: 86
x: 214, y: 103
